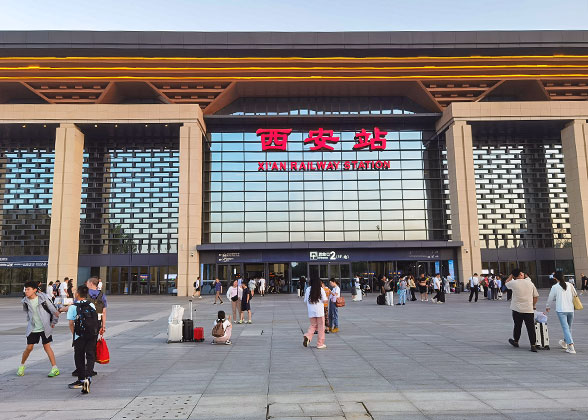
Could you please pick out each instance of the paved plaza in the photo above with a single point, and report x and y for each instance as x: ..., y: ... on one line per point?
x: 420, y: 361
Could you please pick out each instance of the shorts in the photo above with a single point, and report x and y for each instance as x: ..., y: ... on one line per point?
x: 422, y: 289
x: 33, y: 338
x: 245, y: 306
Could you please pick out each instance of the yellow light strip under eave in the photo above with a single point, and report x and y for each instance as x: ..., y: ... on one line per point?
x: 147, y: 78
x: 125, y: 68
x: 471, y: 57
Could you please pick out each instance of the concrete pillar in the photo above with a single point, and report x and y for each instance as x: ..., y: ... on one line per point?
x: 462, y: 197
x: 574, y: 139
x: 190, y: 207
x: 65, y: 207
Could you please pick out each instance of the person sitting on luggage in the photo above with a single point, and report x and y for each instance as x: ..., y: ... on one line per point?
x: 221, y: 332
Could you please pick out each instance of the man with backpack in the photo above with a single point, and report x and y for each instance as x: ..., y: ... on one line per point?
x: 96, y: 297
x: 84, y: 325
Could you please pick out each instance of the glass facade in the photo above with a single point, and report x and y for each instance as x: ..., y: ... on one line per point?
x: 521, y: 193
x: 244, y: 204
x: 26, y: 188
x: 130, y: 191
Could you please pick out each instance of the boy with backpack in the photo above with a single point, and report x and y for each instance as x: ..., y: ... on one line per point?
x: 221, y: 332
x: 83, y: 323
x: 42, y: 316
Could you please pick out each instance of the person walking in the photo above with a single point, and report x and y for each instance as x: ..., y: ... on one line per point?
x: 63, y: 290
x: 262, y: 286
x: 523, y: 305
x: 474, y: 286
x: 42, y: 316
x: 333, y: 309
x: 218, y: 289
x: 402, y: 285
x: 234, y: 295
x: 584, y: 282
x: 314, y: 296
x: 358, y: 292
x: 563, y: 294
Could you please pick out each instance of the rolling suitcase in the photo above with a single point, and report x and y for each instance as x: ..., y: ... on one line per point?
x: 174, y: 332
x: 542, y: 336
x: 198, y: 334
x: 381, y: 300
x: 188, y: 327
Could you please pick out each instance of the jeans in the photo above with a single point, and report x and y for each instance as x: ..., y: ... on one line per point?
x: 402, y: 296
x: 333, y: 315
x: 529, y: 319
x: 566, y: 319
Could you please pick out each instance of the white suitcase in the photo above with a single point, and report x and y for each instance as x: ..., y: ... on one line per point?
x: 174, y: 332
x: 542, y: 336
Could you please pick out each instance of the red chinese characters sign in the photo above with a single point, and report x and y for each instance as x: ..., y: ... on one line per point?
x: 323, y: 140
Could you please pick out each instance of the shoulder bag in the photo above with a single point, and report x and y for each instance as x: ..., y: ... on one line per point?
x: 576, y: 300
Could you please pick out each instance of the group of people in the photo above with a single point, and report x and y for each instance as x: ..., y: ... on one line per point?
x: 87, y: 320
x: 493, y: 286
x: 524, y: 307
x: 323, y: 312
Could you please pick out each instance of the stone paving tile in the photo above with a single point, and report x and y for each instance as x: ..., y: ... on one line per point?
x: 396, y: 363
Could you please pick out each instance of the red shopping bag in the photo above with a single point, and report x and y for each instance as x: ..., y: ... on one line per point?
x: 102, y: 354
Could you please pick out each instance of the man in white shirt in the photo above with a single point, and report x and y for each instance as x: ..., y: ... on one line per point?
x: 474, y: 282
x: 524, y: 302
x: 63, y: 289
x: 262, y: 286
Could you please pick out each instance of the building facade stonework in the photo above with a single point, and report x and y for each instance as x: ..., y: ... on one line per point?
x: 155, y: 159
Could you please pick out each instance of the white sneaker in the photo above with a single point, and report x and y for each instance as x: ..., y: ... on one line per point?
x: 571, y: 349
x: 324, y: 346
x: 563, y: 344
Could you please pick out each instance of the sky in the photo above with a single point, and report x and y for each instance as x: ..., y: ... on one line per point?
x: 293, y: 15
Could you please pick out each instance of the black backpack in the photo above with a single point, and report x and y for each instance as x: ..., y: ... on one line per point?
x: 86, y: 322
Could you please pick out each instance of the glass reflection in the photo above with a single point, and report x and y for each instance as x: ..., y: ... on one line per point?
x: 329, y: 205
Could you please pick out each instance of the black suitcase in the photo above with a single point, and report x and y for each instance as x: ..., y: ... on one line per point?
x: 187, y: 330
x: 188, y: 327
x: 381, y: 300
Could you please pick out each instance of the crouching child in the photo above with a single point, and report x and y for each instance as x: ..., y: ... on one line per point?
x: 221, y: 332
x: 83, y: 323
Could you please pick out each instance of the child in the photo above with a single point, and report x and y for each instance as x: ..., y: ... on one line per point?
x: 83, y: 323
x: 326, y: 305
x: 42, y: 316
x: 225, y: 327
x: 245, y: 303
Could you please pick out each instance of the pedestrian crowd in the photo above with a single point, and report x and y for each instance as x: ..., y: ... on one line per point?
x: 85, y: 308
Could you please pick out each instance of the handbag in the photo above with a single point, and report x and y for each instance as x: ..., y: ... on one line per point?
x: 340, y: 302
x: 576, y: 300
x: 102, y: 353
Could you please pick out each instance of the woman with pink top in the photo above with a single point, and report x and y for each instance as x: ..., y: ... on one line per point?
x: 315, y: 297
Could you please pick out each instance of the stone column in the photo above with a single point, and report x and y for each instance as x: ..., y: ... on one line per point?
x: 462, y: 196
x: 574, y: 139
x: 65, y: 207
x: 190, y: 207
